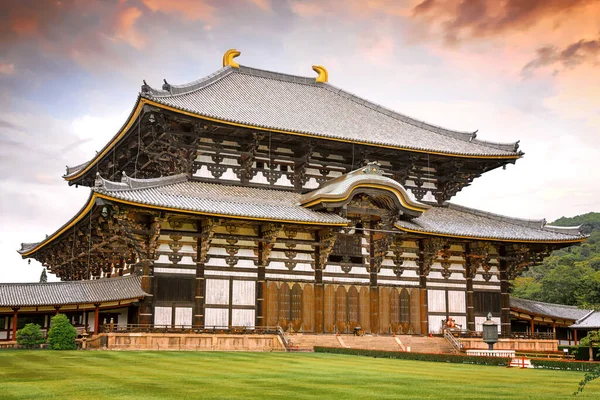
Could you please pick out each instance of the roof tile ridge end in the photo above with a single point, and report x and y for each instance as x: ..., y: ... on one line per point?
x: 170, y: 90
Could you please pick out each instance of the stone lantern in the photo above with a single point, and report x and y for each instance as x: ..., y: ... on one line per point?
x: 490, y: 332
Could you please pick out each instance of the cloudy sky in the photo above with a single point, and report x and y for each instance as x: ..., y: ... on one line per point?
x: 525, y: 70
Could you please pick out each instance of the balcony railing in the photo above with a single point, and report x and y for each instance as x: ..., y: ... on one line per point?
x: 513, y: 335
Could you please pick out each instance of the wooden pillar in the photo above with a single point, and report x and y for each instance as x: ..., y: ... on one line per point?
x: 96, y: 318
x: 575, y: 337
x: 199, y: 297
x: 469, y: 277
x: 56, y: 310
x: 319, y: 287
x: 15, y: 321
x: 554, y: 329
x: 423, y: 288
x: 261, y: 287
x: 146, y: 315
x: 374, y: 289
x: 504, y: 296
x: 532, y: 327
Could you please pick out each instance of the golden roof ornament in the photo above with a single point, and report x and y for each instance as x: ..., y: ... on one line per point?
x: 323, y: 75
x: 229, y: 56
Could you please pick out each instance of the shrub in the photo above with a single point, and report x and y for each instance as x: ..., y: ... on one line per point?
x: 61, y: 335
x: 450, y: 358
x: 564, y: 365
x: 30, y: 336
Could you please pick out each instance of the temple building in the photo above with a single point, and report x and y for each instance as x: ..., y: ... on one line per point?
x: 252, y: 198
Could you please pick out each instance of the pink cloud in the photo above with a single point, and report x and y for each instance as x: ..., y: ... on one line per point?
x: 7, y: 69
x: 307, y: 9
x: 188, y: 9
x: 126, y: 27
x: 265, y: 5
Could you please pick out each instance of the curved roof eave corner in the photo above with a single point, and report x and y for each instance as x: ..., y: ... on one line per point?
x: 28, y: 249
x: 73, y: 173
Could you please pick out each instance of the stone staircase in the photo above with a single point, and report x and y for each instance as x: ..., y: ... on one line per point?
x: 417, y: 344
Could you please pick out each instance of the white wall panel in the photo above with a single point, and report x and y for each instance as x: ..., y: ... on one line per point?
x: 457, y: 302
x: 243, y: 293
x: 163, y: 315
x: 480, y: 320
x: 436, y: 300
x: 242, y: 318
x: 218, y: 317
x: 462, y: 321
x: 183, y: 316
x: 435, y: 323
x: 217, y: 291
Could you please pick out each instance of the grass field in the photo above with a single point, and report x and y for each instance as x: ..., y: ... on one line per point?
x: 205, y: 375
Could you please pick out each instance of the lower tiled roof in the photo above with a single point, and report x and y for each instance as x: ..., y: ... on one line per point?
x: 547, y: 309
x: 457, y: 221
x: 177, y: 192
x: 75, y: 292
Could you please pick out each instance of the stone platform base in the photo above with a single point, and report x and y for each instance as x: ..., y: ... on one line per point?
x: 189, y: 342
x: 511, y: 344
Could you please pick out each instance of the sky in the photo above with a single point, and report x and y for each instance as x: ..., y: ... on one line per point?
x: 527, y: 70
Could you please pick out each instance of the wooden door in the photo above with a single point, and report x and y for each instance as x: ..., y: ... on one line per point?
x: 308, y: 308
x: 394, y: 310
x: 365, y: 309
x: 329, y: 309
x: 384, y: 310
x: 341, y: 309
x: 353, y: 308
x: 272, y: 304
x: 296, y: 307
x: 284, y: 306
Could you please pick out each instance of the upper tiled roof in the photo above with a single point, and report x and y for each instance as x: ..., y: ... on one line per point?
x: 454, y: 220
x: 76, y: 292
x: 177, y: 192
x: 589, y: 321
x: 271, y: 100
x: 547, y: 309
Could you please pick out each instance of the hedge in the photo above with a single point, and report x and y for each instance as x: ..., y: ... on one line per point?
x: 563, y: 365
x: 449, y: 358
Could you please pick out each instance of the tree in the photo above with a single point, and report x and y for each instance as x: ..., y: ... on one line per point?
x: 30, y: 336
x: 62, y: 334
x: 43, y: 276
x: 592, y: 338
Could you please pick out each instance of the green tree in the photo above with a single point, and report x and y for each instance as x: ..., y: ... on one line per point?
x: 43, y: 276
x: 592, y: 338
x: 62, y: 334
x: 30, y: 336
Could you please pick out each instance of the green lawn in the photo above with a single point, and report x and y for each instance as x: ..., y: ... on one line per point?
x: 206, y: 375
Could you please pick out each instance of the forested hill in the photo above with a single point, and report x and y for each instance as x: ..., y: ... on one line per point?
x: 568, y: 276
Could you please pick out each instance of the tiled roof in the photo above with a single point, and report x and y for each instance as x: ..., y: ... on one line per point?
x: 547, y: 309
x: 297, y: 104
x: 369, y: 175
x: 590, y: 321
x: 177, y: 192
x: 454, y: 220
x: 76, y: 292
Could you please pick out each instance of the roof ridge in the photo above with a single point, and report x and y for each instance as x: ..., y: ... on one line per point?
x: 129, y: 183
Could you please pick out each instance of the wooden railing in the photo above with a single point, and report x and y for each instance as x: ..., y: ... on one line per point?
x: 454, y: 342
x: 284, y: 338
